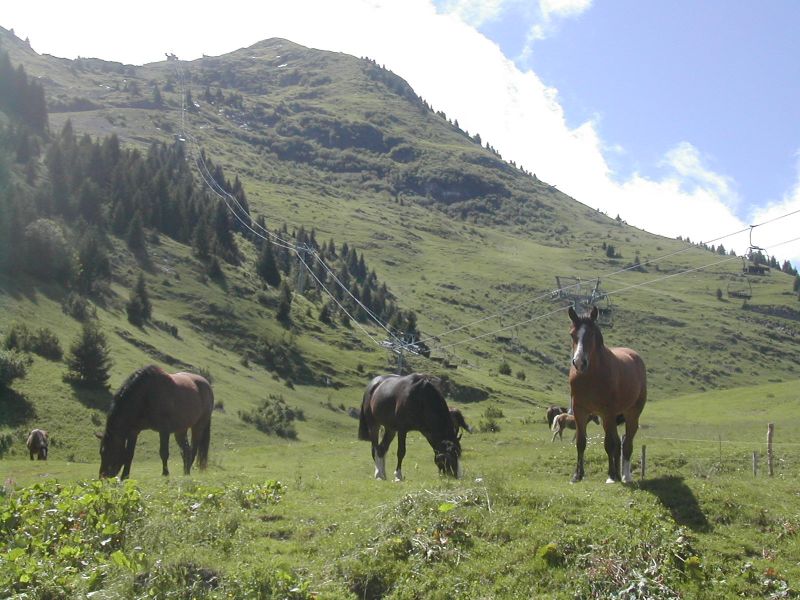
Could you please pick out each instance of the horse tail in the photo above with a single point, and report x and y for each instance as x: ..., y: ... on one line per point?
x: 203, y: 444
x: 205, y: 435
x: 363, y: 428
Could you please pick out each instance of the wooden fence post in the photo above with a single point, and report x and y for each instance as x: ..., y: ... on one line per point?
x: 770, y: 431
x: 755, y: 463
x: 644, y: 460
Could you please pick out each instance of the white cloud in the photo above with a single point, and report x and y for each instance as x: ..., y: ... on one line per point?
x: 475, y: 12
x: 563, y: 8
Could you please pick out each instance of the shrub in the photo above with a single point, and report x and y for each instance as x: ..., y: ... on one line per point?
x: 521, y: 375
x: 47, y: 253
x: 488, y: 423
x: 504, y: 368
x: 13, y: 365
x: 78, y: 307
x: 42, y: 342
x: 274, y: 416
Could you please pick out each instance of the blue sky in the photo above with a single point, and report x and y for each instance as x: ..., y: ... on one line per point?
x: 681, y: 117
x: 722, y: 75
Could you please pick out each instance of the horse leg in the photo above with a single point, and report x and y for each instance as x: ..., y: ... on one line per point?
x: 186, y: 451
x: 401, y: 452
x: 631, y: 426
x: 612, y: 446
x: 130, y: 446
x: 163, y: 450
x: 380, y: 453
x: 580, y: 436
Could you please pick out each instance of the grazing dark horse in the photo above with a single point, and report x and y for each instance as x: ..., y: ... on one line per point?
x: 607, y: 382
x: 553, y: 412
x: 38, y: 442
x: 567, y: 421
x: 459, y: 422
x: 151, y: 398
x: 408, y: 403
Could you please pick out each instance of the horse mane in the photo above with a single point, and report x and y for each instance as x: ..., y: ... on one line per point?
x: 121, y: 407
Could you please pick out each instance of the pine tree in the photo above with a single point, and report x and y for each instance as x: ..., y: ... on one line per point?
x: 89, y: 359
x: 266, y: 267
x: 135, y: 235
x: 139, y: 307
x: 285, y: 303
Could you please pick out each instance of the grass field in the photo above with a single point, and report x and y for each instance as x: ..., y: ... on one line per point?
x: 700, y: 524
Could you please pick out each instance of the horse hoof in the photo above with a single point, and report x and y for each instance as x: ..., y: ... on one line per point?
x: 609, y: 480
x: 627, y: 480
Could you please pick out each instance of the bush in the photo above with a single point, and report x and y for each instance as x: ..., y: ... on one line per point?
x: 47, y: 253
x: 89, y: 358
x: 521, y: 375
x: 504, y: 368
x: 273, y: 416
x: 42, y: 342
x: 13, y: 365
x: 78, y: 307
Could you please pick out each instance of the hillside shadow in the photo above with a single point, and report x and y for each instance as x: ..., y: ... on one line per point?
x: 15, y: 408
x: 98, y: 398
x: 679, y: 499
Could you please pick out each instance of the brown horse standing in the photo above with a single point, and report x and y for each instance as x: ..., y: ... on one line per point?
x: 38, y: 443
x: 608, y: 382
x: 151, y: 398
x: 406, y: 403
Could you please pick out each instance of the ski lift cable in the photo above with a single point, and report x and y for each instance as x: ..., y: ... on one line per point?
x: 226, y: 196
x: 620, y: 290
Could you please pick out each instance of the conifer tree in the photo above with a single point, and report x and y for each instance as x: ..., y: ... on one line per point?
x: 139, y: 307
x: 285, y: 303
x: 266, y: 267
x: 89, y: 359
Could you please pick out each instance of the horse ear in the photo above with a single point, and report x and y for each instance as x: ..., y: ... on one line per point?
x: 593, y: 314
x: 573, y: 315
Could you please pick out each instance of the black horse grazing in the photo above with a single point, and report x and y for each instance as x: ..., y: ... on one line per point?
x: 459, y: 422
x: 553, y: 412
x: 151, y: 398
x: 38, y: 442
x: 608, y: 382
x: 408, y: 403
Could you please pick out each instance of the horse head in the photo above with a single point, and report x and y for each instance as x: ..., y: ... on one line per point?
x: 446, y: 458
x: 586, y: 338
x: 113, y: 450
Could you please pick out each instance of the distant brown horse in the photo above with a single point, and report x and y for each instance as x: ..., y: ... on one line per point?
x: 607, y: 382
x: 151, y: 398
x: 406, y: 403
x: 459, y: 422
x: 567, y: 421
x: 38, y: 443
